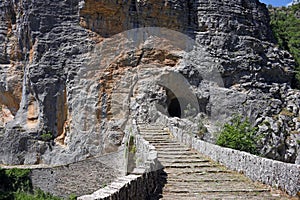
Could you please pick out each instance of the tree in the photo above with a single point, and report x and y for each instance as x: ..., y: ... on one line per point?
x: 285, y: 24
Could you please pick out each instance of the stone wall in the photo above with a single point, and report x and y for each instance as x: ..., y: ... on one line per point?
x: 284, y: 176
x: 142, y: 183
x: 78, y: 178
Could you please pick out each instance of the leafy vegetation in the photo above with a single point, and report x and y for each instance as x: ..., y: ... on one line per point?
x: 37, y: 195
x: 15, y: 184
x: 15, y: 180
x: 46, y: 136
x: 72, y: 197
x: 238, y: 134
x: 132, y: 147
x: 285, y: 23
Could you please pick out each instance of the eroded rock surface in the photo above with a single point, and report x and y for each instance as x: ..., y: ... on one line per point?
x: 68, y: 84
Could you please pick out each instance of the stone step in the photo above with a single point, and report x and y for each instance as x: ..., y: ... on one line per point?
x: 180, y: 171
x: 150, y: 134
x: 182, y: 161
x: 188, y: 165
x: 172, y: 149
x: 149, y: 127
x: 153, y: 131
x: 162, y: 147
x: 173, y: 153
x: 209, y: 176
x: 211, y: 189
x: 175, y: 157
x: 162, y: 138
x: 222, y: 195
x: 201, y: 180
x: 216, y: 184
x: 179, y: 197
x: 175, y: 149
x: 166, y: 144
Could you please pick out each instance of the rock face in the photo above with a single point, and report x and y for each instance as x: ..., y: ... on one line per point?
x: 68, y: 84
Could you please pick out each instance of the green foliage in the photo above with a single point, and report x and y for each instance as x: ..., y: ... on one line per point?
x: 15, y: 180
x: 286, y: 28
x: 15, y: 184
x: 201, y: 129
x: 132, y: 147
x: 46, y: 136
x: 72, y: 197
x: 238, y: 134
x: 37, y: 195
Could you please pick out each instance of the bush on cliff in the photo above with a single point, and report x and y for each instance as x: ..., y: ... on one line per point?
x: 238, y: 134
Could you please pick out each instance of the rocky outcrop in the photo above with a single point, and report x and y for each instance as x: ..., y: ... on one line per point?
x: 68, y: 84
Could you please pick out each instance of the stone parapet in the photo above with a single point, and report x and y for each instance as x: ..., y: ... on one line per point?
x: 284, y: 176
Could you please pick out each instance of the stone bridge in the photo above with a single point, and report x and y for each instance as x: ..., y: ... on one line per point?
x: 176, y: 165
x: 170, y: 164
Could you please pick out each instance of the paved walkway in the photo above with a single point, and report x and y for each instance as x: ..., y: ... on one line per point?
x: 190, y: 175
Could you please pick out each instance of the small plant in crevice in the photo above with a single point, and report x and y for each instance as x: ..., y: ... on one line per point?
x: 46, y: 136
x: 201, y: 129
x: 72, y: 197
x: 131, y: 151
x: 131, y: 145
x: 240, y: 135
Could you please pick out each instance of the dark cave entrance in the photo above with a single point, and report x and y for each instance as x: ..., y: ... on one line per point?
x: 173, y: 104
x: 174, y: 108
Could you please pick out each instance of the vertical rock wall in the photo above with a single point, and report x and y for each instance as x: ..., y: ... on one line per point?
x: 57, y: 90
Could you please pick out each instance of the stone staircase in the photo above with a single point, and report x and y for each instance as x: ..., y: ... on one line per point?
x: 190, y: 175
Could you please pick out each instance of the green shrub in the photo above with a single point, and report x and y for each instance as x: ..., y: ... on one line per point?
x: 238, y: 134
x: 15, y: 184
x: 15, y: 180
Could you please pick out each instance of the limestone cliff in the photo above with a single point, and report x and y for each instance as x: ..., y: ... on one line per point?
x: 65, y: 73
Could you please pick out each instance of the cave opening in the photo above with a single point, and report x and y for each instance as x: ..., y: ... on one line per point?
x: 174, y: 108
